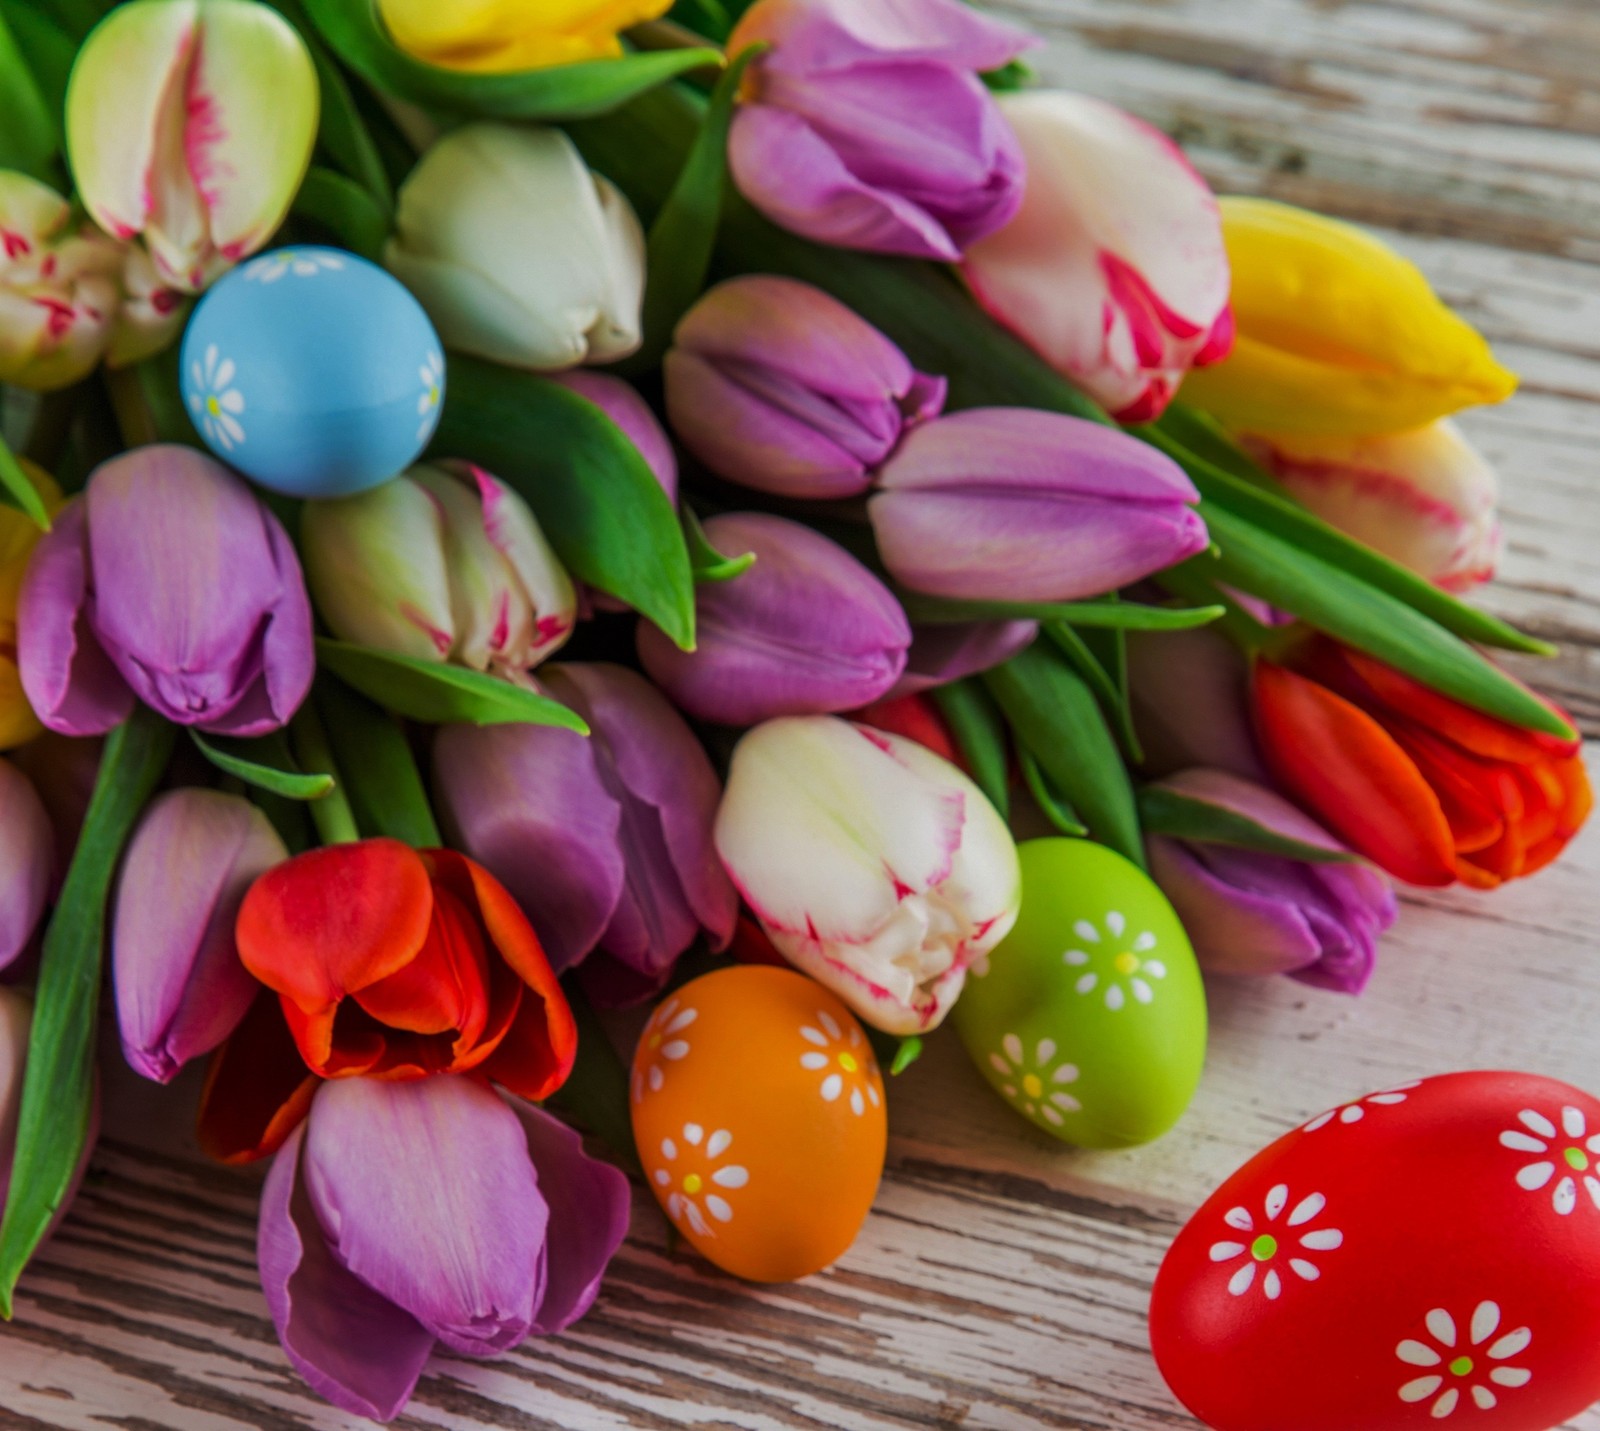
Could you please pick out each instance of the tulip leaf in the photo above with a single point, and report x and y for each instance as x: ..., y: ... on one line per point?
x: 981, y: 735
x: 1228, y: 477
x: 355, y: 34
x: 377, y: 767
x: 346, y: 210
x: 29, y: 133
x: 264, y: 763
x: 1049, y: 800
x: 1056, y: 720
x: 594, y: 495
x: 907, y: 1052
x: 1361, y: 615
x: 1015, y: 75
x: 1110, y: 615
x: 685, y: 231
x: 1184, y: 817
x: 18, y: 490
x: 595, y: 1095
x: 48, y: 49
x: 705, y: 17
x: 1113, y: 700
x: 708, y: 564
x: 440, y: 694
x: 58, y: 1086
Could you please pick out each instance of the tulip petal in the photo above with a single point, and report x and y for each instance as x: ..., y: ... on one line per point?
x: 257, y: 1088
x: 27, y: 844
x: 945, y: 653
x: 351, y: 1344
x: 623, y: 405
x: 589, y: 1203
x: 386, y: 1167
x: 828, y: 34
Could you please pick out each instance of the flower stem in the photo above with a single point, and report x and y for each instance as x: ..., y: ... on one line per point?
x: 332, y: 815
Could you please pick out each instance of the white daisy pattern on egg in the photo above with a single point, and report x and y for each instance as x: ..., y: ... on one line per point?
x: 300, y: 263
x: 1114, y: 962
x: 664, y: 1041
x: 432, y: 374
x: 693, y: 1175
x: 1274, y: 1245
x: 214, y: 401
x: 845, y: 1061
x: 1037, y: 1085
x: 1463, y: 1364
x: 1564, y: 1157
x: 1348, y: 1113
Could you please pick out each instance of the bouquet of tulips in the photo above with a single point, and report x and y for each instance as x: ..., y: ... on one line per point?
x: 517, y: 512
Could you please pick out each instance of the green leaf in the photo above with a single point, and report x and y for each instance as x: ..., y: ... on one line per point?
x: 354, y: 33
x: 1226, y: 476
x: 1168, y: 812
x: 1363, y: 616
x: 58, y: 1084
x: 908, y: 1052
x: 18, y: 488
x: 440, y: 694
x: 708, y: 564
x: 595, y: 1096
x: 1110, y: 615
x: 48, y: 49
x: 265, y: 763
x: 346, y: 210
x: 981, y: 734
x: 380, y: 773
x: 1113, y: 700
x: 342, y: 130
x: 1049, y: 800
x: 1015, y: 75
x: 1057, y: 720
x: 29, y: 136
x: 594, y: 495
x: 685, y: 231
x: 710, y: 18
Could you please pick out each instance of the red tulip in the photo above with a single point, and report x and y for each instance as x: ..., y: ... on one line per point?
x: 1428, y: 788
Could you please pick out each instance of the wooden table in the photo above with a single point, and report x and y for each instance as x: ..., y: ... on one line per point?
x: 1003, y: 1279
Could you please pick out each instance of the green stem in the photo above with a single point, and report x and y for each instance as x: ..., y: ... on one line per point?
x: 332, y: 815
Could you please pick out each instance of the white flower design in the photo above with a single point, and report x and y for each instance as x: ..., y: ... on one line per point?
x: 214, y: 401
x: 432, y: 374
x: 270, y: 267
x: 1570, y: 1151
x: 1348, y: 1113
x: 1263, y: 1251
x: 662, y: 1042
x: 844, y: 1060
x: 1117, y: 971
x: 1037, y: 1091
x: 1461, y: 1369
x: 698, y: 1176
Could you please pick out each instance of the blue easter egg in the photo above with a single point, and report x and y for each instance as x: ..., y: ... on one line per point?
x: 314, y: 372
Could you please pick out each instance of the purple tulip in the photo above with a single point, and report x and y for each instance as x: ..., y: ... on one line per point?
x: 27, y: 861
x: 1011, y: 504
x: 180, y: 987
x: 777, y: 386
x: 1253, y: 913
x: 1188, y: 690
x: 866, y: 126
x: 605, y: 842
x: 807, y: 630
x: 941, y: 654
x: 400, y: 1215
x: 632, y: 414
x: 169, y: 581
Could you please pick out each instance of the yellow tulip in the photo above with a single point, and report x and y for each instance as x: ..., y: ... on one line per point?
x: 18, y: 537
x: 492, y: 36
x: 1337, y: 334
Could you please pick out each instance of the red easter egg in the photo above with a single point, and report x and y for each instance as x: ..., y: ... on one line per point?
x: 1428, y: 1254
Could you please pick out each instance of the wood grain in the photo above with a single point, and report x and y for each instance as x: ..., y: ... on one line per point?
x: 1002, y: 1281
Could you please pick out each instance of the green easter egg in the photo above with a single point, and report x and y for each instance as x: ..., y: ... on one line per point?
x: 1089, y: 1018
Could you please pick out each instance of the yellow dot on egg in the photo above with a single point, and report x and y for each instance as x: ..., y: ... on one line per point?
x: 693, y: 1183
x: 655, y: 1041
x: 1127, y: 963
x: 1031, y: 1085
x: 213, y: 406
x: 847, y: 1061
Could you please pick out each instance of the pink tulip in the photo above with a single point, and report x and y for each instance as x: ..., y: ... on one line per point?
x: 1114, y: 269
x: 27, y: 859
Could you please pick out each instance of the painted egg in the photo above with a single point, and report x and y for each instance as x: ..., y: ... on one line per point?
x: 314, y: 372
x: 759, y: 1114
x: 1429, y: 1253
x: 1089, y: 1018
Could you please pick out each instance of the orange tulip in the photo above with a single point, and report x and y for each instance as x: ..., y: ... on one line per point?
x: 1430, y: 789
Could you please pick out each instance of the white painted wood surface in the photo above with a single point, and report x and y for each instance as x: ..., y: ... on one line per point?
x: 1003, y: 1279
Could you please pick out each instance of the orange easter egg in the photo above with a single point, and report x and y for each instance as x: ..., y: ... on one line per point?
x: 759, y: 1113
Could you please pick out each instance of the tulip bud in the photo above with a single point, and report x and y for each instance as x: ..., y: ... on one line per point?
x: 169, y: 581
x: 941, y: 654
x: 1114, y: 269
x: 191, y: 122
x: 806, y: 629
x: 867, y: 127
x: 1252, y: 913
x: 19, y: 535
x: 1337, y: 334
x: 27, y: 861
x: 1425, y: 498
x: 493, y: 36
x: 1011, y: 504
x: 518, y: 252
x: 443, y: 564
x: 180, y: 986
x: 778, y: 386
x: 58, y: 288
x: 873, y: 865
x: 604, y: 842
